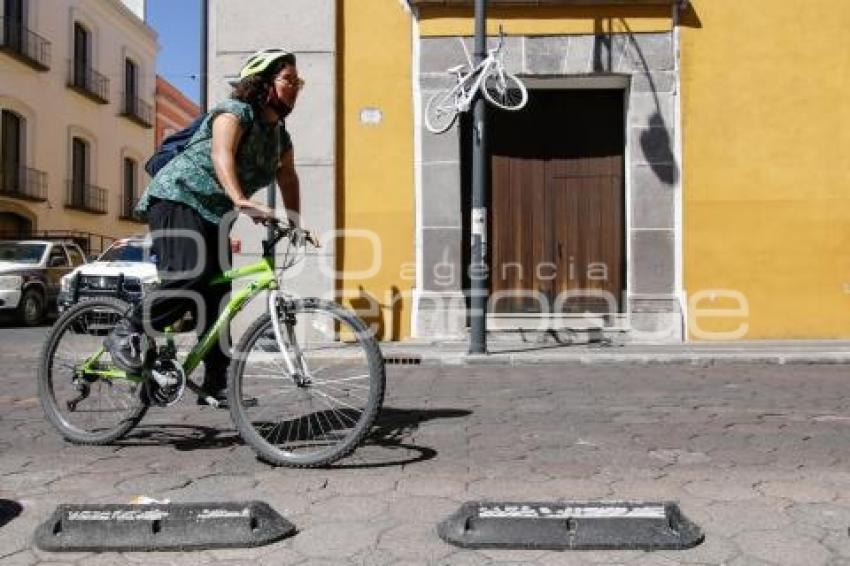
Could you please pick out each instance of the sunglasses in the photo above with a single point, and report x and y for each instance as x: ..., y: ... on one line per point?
x: 296, y: 82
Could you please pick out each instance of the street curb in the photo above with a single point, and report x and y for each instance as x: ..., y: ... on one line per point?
x: 623, y: 359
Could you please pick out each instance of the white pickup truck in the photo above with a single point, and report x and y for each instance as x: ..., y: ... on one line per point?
x: 126, y: 263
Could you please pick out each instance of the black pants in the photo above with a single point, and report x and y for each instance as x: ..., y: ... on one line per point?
x: 189, y: 252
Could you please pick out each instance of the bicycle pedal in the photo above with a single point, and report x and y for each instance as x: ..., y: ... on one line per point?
x: 211, y: 401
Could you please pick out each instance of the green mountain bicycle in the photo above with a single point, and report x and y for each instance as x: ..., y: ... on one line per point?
x: 305, y: 386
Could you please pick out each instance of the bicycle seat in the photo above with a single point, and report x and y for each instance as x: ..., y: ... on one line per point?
x: 457, y: 69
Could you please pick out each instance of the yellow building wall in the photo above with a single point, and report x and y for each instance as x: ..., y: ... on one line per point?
x: 766, y: 168
x: 375, y: 175
x: 546, y: 20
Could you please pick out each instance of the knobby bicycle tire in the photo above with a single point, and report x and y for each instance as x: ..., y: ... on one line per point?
x: 240, y: 407
x: 47, y: 374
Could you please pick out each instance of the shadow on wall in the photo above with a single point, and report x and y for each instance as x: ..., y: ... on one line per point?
x: 655, y: 136
x: 383, y: 318
x: 510, y: 13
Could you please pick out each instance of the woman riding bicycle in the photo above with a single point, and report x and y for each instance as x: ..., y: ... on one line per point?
x: 241, y: 147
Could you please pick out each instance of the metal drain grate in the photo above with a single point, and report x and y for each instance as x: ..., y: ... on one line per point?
x: 403, y: 360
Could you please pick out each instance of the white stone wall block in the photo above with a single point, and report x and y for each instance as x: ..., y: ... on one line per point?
x: 297, y: 25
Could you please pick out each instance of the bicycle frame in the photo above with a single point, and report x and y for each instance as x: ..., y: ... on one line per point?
x: 477, y: 71
x: 266, y: 280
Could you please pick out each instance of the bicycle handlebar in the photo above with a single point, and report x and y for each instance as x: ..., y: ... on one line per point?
x: 281, y: 230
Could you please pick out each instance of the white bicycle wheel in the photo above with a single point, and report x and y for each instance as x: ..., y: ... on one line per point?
x: 504, y: 90
x: 441, y: 111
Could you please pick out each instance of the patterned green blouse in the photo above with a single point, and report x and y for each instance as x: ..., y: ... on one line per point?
x: 190, y: 177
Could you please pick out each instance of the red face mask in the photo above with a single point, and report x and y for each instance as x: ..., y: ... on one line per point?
x: 274, y: 102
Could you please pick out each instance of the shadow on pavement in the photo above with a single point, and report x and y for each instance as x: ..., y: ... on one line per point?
x: 393, y: 432
x: 8, y: 511
x: 390, y: 443
x: 181, y: 437
x: 554, y: 339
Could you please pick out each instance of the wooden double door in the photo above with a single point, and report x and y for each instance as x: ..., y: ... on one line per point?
x: 556, y: 233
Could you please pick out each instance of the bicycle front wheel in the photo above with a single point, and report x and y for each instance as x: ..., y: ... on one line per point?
x: 504, y: 90
x: 310, y: 398
x: 81, y: 392
x: 441, y: 111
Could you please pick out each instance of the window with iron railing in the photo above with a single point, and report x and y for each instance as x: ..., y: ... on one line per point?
x: 16, y: 179
x: 80, y: 194
x: 82, y: 76
x: 86, y: 197
x: 131, y: 88
x: 23, y: 183
x: 130, y: 197
x: 133, y: 107
x: 18, y: 40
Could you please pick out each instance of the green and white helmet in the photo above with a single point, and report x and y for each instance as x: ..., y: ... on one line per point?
x: 261, y: 60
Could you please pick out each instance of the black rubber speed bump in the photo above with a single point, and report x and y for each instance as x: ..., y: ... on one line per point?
x: 174, y: 526
x: 570, y: 526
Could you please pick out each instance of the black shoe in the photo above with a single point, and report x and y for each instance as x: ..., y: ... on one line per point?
x: 127, y: 346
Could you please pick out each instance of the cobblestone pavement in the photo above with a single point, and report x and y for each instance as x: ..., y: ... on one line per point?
x: 756, y: 455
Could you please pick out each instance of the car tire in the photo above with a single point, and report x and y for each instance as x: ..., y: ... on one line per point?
x: 32, y: 307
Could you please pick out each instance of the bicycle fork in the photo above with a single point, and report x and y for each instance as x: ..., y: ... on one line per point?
x: 287, y: 341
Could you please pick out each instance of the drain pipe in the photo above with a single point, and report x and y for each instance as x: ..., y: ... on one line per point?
x: 480, y: 164
x: 678, y: 8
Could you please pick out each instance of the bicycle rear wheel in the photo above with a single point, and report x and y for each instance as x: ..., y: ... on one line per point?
x: 87, y: 407
x: 318, y: 413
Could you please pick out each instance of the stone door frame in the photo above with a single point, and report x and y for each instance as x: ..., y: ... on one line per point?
x: 645, y: 66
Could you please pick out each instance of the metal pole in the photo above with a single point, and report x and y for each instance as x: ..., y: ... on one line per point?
x: 205, y: 33
x: 478, y: 264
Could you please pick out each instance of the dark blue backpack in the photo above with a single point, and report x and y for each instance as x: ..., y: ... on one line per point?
x: 172, y: 146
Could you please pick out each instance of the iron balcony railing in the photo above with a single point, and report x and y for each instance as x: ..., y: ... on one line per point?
x: 128, y: 210
x: 137, y: 110
x: 85, y: 197
x: 24, y: 44
x: 23, y: 183
x: 88, y: 82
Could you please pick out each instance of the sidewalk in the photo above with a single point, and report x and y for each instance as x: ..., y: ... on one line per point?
x: 780, y: 352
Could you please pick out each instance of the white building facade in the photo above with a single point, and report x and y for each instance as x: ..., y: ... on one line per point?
x: 77, y: 81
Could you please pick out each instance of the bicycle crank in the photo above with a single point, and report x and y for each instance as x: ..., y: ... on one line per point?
x: 166, y: 383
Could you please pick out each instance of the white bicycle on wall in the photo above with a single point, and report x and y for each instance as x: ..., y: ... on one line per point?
x: 499, y: 87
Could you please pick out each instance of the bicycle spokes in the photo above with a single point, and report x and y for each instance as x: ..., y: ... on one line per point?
x: 316, y: 386
x: 84, y: 396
